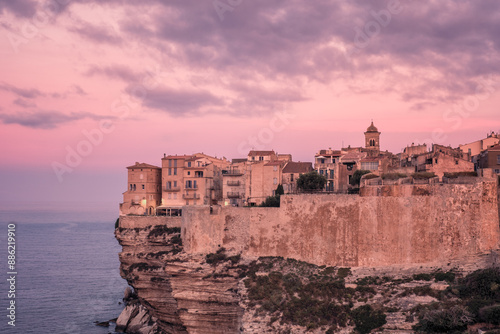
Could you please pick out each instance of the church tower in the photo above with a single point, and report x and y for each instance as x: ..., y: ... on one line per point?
x: 372, y: 139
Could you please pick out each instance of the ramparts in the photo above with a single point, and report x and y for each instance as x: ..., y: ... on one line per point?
x: 384, y: 225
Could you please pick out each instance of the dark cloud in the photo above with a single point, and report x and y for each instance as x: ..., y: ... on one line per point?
x: 296, y: 39
x: 114, y: 72
x: 26, y: 93
x: 178, y: 102
x: 21, y: 8
x: 97, y: 34
x: 46, y: 119
x: 24, y: 103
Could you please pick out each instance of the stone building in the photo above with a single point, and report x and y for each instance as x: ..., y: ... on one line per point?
x: 326, y: 162
x: 442, y: 159
x: 190, y: 180
x: 475, y: 148
x: 143, y: 195
x: 372, y: 140
x: 291, y: 173
x: 234, y: 181
x: 490, y: 158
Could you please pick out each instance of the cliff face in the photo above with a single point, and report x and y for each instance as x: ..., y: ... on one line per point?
x: 223, y: 292
x: 178, y: 289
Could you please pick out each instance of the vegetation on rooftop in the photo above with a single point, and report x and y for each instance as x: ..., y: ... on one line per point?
x: 454, y: 175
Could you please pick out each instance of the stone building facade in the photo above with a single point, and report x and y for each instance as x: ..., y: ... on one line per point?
x: 143, y: 195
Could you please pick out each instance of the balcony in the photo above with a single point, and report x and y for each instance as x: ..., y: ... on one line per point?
x: 171, y: 190
x: 233, y: 172
x: 233, y: 183
x: 233, y: 195
x: 191, y: 196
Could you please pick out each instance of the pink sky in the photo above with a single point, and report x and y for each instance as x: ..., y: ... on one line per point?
x: 182, y: 77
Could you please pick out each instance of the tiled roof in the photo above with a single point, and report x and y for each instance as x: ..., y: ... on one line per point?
x: 177, y: 157
x: 142, y: 165
x: 352, y: 156
x: 494, y: 148
x: 298, y: 167
x: 260, y: 153
x: 235, y: 161
x: 274, y: 163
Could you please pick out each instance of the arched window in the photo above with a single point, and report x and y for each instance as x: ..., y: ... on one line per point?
x: 372, y: 142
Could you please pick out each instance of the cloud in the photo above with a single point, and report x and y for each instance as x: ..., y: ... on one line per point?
x: 24, y: 103
x: 46, y: 119
x: 114, y: 72
x: 179, y: 102
x: 26, y: 93
x: 22, y: 8
x: 97, y: 34
x: 296, y: 40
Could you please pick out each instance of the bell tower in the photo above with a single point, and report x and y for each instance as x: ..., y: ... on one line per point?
x: 372, y: 139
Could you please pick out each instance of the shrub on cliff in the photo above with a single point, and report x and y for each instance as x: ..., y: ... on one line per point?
x: 452, y: 319
x: 367, y: 319
x: 482, y: 283
x: 311, y: 181
x: 490, y: 314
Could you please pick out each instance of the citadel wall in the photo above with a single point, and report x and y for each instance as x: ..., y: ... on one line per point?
x: 385, y: 225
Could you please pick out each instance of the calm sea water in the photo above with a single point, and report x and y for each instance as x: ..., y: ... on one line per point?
x: 67, y: 267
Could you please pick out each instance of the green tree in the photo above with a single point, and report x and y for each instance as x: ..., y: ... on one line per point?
x: 311, y: 181
x: 279, y: 190
x: 356, y: 177
x: 274, y: 201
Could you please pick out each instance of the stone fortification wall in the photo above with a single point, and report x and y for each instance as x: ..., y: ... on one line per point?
x: 146, y: 221
x: 385, y: 225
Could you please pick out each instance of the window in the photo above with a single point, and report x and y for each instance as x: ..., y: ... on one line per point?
x: 275, y: 181
x: 169, y: 195
x: 189, y: 163
x: 189, y: 173
x: 175, y: 195
x: 170, y: 163
x: 188, y: 184
x: 170, y: 171
x: 195, y: 185
x: 253, y: 158
x: 134, y: 187
x: 498, y: 159
x: 275, y: 168
x: 175, y: 163
x: 143, y: 187
x: 131, y: 187
x: 169, y: 185
x: 175, y: 170
x: 175, y: 184
x: 261, y: 158
x: 291, y: 177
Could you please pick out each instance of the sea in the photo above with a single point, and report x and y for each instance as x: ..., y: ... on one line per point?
x: 66, y: 267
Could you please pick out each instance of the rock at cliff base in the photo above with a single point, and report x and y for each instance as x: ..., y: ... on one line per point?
x: 127, y: 314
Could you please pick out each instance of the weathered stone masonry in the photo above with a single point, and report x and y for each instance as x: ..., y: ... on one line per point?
x: 385, y: 225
